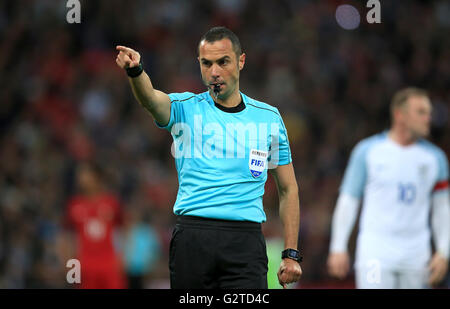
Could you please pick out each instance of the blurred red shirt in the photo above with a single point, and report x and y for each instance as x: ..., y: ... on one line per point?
x: 94, y: 219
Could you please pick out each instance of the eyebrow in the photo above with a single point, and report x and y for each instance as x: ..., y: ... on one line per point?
x: 223, y: 58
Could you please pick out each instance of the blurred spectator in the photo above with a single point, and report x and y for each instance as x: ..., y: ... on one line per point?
x: 95, y: 215
x: 142, y: 250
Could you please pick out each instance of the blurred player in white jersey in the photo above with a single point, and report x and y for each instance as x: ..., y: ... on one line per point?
x: 403, y: 183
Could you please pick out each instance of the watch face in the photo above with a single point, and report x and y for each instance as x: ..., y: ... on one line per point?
x: 292, y: 254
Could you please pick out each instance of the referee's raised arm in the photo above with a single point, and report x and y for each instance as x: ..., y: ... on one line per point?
x: 155, y: 101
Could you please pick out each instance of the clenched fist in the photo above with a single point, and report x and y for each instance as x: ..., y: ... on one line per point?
x: 289, y: 272
x: 127, y: 57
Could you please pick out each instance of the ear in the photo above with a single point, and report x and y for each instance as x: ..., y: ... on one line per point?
x: 241, y: 61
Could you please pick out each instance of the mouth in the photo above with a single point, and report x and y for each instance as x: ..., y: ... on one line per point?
x: 216, y: 88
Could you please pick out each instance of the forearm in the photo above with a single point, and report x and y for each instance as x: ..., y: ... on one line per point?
x: 143, y: 91
x: 440, y: 223
x: 290, y: 216
x: 154, y: 101
x: 343, y: 221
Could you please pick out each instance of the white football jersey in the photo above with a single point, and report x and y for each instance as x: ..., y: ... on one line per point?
x: 396, y: 183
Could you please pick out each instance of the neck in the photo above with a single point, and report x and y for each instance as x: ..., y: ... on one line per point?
x: 231, y: 101
x: 401, y: 136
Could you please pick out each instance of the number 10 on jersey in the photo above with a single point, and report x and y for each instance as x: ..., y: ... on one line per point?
x: 406, y: 193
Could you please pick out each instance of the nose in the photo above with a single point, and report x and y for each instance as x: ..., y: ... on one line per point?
x: 215, y: 71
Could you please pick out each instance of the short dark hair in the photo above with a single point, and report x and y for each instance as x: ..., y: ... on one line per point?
x: 219, y: 33
x: 400, y: 97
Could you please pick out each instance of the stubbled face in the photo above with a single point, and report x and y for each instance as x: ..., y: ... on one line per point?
x: 220, y: 67
x: 415, y: 116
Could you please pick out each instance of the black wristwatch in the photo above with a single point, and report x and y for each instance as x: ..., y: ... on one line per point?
x: 292, y: 254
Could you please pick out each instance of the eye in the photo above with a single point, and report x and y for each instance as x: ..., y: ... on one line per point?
x: 223, y: 62
x: 206, y: 63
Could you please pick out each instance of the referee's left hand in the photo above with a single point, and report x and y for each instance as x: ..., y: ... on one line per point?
x: 289, y: 272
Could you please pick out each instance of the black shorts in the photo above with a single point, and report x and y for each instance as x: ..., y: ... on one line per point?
x: 210, y: 253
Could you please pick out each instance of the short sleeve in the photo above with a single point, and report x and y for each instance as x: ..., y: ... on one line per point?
x: 175, y: 108
x: 280, y: 151
x: 355, y: 174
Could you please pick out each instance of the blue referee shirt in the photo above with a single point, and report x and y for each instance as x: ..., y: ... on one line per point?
x: 222, y: 157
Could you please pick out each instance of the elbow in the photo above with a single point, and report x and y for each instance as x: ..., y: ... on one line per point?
x: 289, y: 191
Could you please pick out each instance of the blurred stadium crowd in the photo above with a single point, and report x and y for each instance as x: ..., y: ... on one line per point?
x: 63, y: 100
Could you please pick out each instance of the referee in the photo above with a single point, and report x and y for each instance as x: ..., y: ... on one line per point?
x: 225, y: 142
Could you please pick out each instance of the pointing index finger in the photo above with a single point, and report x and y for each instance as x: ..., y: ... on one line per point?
x: 123, y: 48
